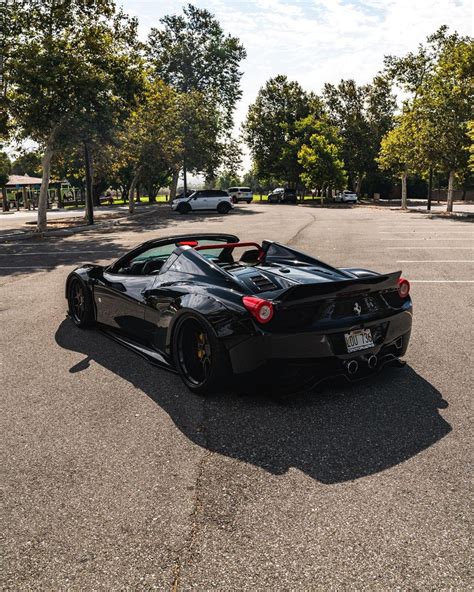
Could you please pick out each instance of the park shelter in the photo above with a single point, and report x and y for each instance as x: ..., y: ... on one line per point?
x: 29, y: 188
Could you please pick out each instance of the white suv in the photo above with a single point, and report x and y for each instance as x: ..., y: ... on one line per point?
x: 205, y: 199
x: 241, y: 194
x: 346, y: 196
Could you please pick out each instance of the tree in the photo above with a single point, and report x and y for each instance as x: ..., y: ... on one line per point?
x: 470, y: 131
x: 448, y: 100
x: 272, y: 132
x: 5, y: 168
x: 191, y: 53
x: 363, y: 115
x: 149, y: 146
x: 439, y: 78
x: 28, y: 163
x: 227, y: 179
x: 321, y: 158
x: 69, y: 76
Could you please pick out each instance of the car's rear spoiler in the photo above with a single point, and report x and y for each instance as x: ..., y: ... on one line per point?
x: 321, y: 290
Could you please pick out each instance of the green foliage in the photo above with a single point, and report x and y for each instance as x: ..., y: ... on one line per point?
x: 470, y: 131
x: 399, y: 150
x: 5, y: 168
x: 28, y: 163
x: 192, y: 53
x: 273, y: 131
x: 321, y: 158
x: 363, y: 114
x: 433, y: 130
x: 70, y: 70
x: 227, y: 179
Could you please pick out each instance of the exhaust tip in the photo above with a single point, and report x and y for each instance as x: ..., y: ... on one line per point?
x: 352, y: 366
x: 372, y: 361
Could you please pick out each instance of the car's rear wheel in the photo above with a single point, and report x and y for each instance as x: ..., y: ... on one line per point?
x: 198, y: 355
x: 223, y: 208
x: 81, y: 308
x: 184, y: 208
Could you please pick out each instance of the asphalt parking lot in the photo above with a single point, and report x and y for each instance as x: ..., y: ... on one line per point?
x: 115, y: 477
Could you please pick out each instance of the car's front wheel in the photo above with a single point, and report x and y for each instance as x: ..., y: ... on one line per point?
x: 223, y: 208
x: 184, y: 208
x: 80, y: 305
x: 198, y: 355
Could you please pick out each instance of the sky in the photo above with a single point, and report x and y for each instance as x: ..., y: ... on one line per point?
x: 316, y: 41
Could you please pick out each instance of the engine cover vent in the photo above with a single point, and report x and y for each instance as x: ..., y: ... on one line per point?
x: 262, y: 283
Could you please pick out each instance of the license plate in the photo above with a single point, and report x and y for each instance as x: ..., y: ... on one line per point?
x: 360, y: 339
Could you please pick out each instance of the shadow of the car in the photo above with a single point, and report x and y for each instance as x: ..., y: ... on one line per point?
x: 340, y: 434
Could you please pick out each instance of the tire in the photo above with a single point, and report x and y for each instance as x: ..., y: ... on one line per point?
x: 184, y: 208
x: 80, y: 305
x: 223, y: 207
x: 199, y: 357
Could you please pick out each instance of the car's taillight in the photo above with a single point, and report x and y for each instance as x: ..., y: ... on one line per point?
x: 260, y: 309
x: 403, y: 287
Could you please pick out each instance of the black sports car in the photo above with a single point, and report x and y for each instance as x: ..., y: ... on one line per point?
x: 209, y: 306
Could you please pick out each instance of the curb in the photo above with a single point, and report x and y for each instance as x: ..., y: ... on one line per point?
x: 445, y: 215
x: 27, y: 235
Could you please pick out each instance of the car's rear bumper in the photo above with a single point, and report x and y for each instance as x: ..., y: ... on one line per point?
x: 325, y: 350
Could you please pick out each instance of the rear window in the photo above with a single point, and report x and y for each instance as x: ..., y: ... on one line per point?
x: 246, y: 189
x: 231, y: 189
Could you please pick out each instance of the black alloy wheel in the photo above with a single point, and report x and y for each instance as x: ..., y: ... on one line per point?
x: 80, y: 304
x: 199, y: 357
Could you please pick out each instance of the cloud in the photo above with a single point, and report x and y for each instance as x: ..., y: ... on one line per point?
x: 317, y: 41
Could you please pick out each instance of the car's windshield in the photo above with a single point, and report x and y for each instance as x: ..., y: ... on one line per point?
x: 160, y: 253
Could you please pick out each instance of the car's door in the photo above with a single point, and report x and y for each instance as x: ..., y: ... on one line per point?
x: 120, y: 294
x: 199, y: 201
x: 120, y: 303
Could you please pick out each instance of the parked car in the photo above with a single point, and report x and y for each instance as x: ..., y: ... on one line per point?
x: 241, y: 194
x: 209, y: 307
x: 181, y: 194
x: 205, y: 199
x: 346, y: 196
x: 282, y: 195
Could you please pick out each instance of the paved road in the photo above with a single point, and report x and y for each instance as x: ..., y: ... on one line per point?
x: 116, y: 477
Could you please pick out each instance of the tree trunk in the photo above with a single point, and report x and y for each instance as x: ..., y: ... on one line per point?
x: 359, y: 180
x: 89, y: 213
x: 131, y: 191
x: 430, y: 189
x: 43, y: 195
x: 449, y: 201
x: 404, y: 190
x: 174, y: 184
x: 4, y: 199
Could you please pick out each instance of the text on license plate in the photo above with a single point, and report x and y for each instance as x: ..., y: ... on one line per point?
x: 360, y: 339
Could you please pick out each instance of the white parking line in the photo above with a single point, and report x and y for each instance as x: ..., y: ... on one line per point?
x: 27, y: 254
x: 446, y: 238
x: 429, y: 247
x: 435, y: 260
x: 441, y: 281
x: 438, y: 233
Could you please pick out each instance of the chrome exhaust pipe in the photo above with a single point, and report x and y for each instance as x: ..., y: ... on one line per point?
x: 372, y: 362
x: 352, y: 366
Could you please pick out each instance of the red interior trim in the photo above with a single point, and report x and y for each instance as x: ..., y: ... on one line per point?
x: 231, y: 246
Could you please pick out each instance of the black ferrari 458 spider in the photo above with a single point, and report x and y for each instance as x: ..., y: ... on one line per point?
x: 210, y: 307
